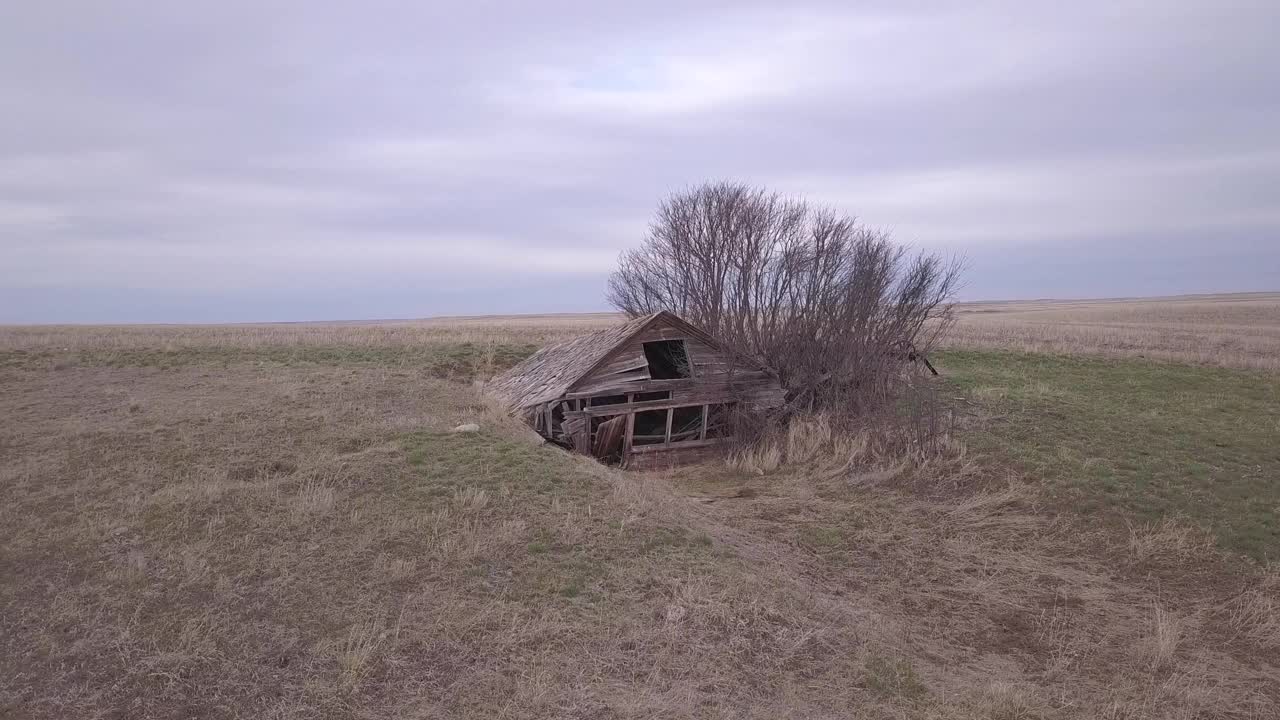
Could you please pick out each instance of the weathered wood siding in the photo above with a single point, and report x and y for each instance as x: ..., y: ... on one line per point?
x: 615, y: 364
x: 717, y: 377
x: 671, y: 457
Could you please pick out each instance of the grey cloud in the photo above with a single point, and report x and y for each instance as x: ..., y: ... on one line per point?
x: 180, y: 161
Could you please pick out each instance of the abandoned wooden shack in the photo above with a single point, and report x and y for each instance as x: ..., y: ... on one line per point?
x: 654, y: 390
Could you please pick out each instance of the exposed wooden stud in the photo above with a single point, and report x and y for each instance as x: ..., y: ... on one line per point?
x: 666, y: 440
x: 678, y: 400
x: 720, y: 387
x: 595, y: 386
x: 706, y: 410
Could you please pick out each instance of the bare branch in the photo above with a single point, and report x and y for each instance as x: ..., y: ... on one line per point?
x: 833, y: 307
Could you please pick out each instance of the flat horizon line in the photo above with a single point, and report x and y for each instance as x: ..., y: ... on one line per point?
x: 1224, y: 296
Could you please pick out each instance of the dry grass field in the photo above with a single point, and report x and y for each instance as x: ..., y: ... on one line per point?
x: 449, y: 347
x: 1241, y: 330
x: 274, y: 522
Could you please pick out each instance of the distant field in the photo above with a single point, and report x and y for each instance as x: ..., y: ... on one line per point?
x: 453, y: 345
x: 1241, y: 330
x: 274, y: 521
x: 458, y: 348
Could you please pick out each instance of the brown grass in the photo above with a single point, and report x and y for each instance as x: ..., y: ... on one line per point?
x: 290, y: 541
x: 1228, y: 330
x: 496, y: 330
x: 1240, y: 330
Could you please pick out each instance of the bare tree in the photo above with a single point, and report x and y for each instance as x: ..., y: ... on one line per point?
x: 832, y: 307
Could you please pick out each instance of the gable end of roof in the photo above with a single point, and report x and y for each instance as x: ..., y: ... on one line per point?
x: 555, y: 369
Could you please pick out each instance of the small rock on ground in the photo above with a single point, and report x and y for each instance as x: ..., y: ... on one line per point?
x: 467, y: 427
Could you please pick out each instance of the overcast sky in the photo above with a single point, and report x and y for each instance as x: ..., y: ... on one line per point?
x: 239, y: 161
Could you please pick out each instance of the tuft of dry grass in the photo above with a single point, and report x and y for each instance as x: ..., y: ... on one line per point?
x: 394, y: 568
x: 358, y: 651
x: 879, y: 452
x: 314, y: 497
x: 470, y: 499
x: 806, y: 437
x: 1169, y: 539
x: 1165, y: 636
x: 760, y: 459
x: 1255, y: 615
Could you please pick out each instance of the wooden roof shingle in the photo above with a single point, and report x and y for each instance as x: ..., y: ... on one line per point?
x: 549, y: 373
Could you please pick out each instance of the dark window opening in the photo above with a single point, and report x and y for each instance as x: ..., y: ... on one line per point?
x: 686, y: 424
x: 720, y: 420
x: 599, y: 400
x: 650, y: 428
x: 658, y: 395
x: 668, y: 359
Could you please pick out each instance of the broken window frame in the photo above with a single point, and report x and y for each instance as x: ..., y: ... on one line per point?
x: 686, y: 435
x: 681, y: 363
x: 649, y: 439
x: 651, y: 442
x: 714, y: 427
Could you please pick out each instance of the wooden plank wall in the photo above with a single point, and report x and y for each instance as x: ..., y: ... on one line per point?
x: 717, y: 379
x: 626, y: 364
x: 672, y: 457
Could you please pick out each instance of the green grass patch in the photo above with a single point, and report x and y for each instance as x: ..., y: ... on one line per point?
x: 820, y: 539
x: 1137, y: 439
x: 575, y: 550
x: 893, y: 678
x: 521, y: 481
x: 448, y: 462
x: 668, y: 539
